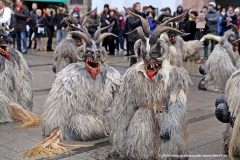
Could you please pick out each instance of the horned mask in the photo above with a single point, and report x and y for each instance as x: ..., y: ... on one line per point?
x: 153, y: 50
x: 92, y: 52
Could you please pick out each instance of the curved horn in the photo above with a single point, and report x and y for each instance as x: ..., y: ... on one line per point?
x: 86, y: 39
x: 10, y: 30
x: 156, y: 34
x: 212, y: 37
x: 98, y: 32
x: 165, y: 51
x: 136, y: 46
x: 1, y: 14
x: 175, y: 19
x: 104, y: 52
x: 238, y: 40
x: 158, y: 31
x: 104, y: 35
x: 234, y: 27
x: 145, y: 24
x: 77, y: 28
x: 82, y: 21
x: 139, y: 30
x: 79, y: 50
x: 71, y: 18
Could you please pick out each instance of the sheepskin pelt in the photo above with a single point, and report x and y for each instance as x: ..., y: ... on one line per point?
x: 16, y: 84
x: 232, y: 135
x: 220, y: 65
x: 79, y: 104
x: 64, y: 54
x: 136, y: 130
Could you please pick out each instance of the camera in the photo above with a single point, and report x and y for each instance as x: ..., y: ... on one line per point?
x: 146, y: 13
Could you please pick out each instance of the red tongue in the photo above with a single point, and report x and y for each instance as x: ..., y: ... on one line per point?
x: 151, y: 73
x: 94, y: 72
x: 6, y: 54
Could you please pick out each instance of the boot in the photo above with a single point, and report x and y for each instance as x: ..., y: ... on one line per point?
x: 49, y: 49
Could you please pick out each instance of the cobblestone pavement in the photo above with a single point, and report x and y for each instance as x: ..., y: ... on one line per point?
x: 205, y: 131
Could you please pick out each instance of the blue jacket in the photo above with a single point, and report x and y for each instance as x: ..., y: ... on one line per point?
x: 219, y: 26
x: 152, y: 24
x: 224, y: 24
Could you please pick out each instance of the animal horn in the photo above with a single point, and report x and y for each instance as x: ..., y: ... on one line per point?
x: 104, y: 35
x: 104, y: 52
x: 79, y: 53
x: 77, y: 28
x: 71, y: 18
x: 98, y: 32
x: 1, y: 14
x: 145, y: 24
x: 160, y: 30
x: 136, y: 46
x: 212, y: 37
x: 235, y: 42
x: 86, y: 39
x: 234, y: 27
x: 165, y: 51
x: 139, y: 30
x: 83, y: 20
x: 175, y: 19
x: 155, y: 34
x: 10, y: 30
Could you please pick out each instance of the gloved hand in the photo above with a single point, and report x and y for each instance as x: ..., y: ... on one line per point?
x: 165, y: 134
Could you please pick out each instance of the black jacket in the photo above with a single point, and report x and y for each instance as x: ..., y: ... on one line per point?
x: 32, y: 15
x: 21, y: 18
x: 115, y: 26
x: 133, y: 24
x: 50, y: 18
x: 104, y: 16
x: 59, y: 18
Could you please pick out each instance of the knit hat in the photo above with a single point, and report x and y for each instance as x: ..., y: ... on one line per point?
x: 236, y: 10
x: 76, y: 8
x: 50, y: 6
x: 61, y: 4
x: 106, y: 6
x: 212, y: 4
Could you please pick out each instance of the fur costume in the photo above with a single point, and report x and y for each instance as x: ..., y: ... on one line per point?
x: 81, y: 93
x: 190, y: 49
x: 150, y: 119
x: 65, y: 55
x: 222, y: 62
x: 15, y: 78
x: 227, y: 111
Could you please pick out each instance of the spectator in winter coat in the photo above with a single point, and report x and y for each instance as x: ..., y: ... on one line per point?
x: 49, y: 21
x: 93, y: 24
x: 133, y: 24
x: 179, y: 11
x: 32, y: 16
x: 200, y: 32
x: 212, y: 17
x: 192, y: 25
x: 76, y: 14
x: 119, y: 39
x: 60, y: 27
x: 105, y: 16
x: 230, y: 16
x: 39, y: 34
x: 21, y: 13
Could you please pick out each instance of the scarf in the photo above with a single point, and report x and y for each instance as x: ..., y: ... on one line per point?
x: 19, y: 7
x: 230, y: 15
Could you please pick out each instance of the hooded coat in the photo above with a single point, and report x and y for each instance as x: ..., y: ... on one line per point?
x: 50, y: 18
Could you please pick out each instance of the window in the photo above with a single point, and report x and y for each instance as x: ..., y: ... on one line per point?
x: 76, y: 2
